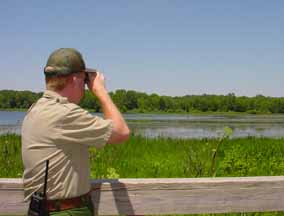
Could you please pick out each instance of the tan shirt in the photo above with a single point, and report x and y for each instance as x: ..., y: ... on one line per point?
x: 60, y: 131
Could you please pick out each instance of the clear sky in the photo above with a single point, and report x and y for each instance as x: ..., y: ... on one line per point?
x: 169, y: 47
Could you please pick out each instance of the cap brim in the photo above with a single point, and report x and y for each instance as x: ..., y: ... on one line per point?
x: 90, y: 70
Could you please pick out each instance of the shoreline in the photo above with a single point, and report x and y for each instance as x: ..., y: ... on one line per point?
x: 195, y: 113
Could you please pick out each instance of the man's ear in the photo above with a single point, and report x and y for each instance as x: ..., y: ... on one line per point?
x: 73, y: 78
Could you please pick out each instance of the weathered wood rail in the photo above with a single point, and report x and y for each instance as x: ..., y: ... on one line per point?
x: 168, y: 196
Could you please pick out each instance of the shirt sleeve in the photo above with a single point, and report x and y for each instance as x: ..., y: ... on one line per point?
x: 80, y: 127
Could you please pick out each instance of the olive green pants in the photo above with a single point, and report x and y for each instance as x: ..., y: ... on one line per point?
x: 84, y: 211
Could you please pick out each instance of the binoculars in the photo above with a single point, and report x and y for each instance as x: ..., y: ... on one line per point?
x: 87, y: 77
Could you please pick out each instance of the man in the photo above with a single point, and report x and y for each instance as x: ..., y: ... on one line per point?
x: 55, y: 128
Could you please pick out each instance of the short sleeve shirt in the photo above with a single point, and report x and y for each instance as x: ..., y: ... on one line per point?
x: 61, y: 132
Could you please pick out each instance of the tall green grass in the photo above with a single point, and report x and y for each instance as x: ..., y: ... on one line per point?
x: 142, y: 157
x: 11, y: 165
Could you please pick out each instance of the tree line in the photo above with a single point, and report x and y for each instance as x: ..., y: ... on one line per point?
x: 133, y: 101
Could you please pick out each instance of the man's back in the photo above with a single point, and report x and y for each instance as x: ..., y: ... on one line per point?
x: 60, y: 131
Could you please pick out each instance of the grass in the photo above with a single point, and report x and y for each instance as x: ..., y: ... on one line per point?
x: 142, y: 157
x: 173, y: 158
x: 11, y: 159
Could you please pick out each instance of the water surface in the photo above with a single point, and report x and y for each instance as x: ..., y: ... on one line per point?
x: 181, y: 126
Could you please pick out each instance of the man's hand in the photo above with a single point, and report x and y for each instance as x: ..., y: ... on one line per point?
x: 96, y: 83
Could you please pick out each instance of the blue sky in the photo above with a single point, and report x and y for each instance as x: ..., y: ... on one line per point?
x: 175, y: 47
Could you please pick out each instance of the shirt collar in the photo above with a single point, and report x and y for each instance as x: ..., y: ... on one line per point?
x: 54, y: 95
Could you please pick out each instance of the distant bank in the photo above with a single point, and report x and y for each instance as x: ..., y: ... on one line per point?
x: 129, y: 101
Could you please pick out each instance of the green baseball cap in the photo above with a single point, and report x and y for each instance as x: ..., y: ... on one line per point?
x: 65, y: 61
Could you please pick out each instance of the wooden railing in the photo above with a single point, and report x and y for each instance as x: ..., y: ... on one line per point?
x: 168, y: 196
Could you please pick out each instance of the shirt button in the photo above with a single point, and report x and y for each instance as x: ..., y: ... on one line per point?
x: 57, y: 100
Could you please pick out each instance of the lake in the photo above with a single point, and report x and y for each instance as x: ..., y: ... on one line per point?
x: 180, y: 126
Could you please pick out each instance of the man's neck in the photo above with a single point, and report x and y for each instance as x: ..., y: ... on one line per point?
x: 66, y: 92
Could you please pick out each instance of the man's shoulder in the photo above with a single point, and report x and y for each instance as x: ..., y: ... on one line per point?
x: 44, y: 105
x: 50, y: 113
x: 73, y: 108
x: 62, y: 105
x: 76, y: 113
x: 54, y: 109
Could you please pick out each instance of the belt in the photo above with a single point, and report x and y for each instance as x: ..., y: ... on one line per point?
x: 65, y: 204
